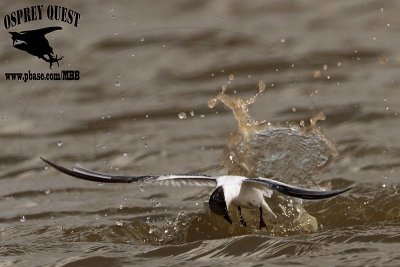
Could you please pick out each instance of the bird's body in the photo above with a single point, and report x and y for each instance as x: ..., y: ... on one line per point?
x: 245, y: 195
x: 230, y: 190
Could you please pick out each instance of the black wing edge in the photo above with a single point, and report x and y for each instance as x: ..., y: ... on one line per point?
x: 43, y: 31
x: 96, y: 176
x: 299, y: 192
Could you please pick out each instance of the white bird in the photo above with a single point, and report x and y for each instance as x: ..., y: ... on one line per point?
x: 229, y: 190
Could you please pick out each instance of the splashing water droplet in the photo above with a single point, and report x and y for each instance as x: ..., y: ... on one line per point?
x: 47, y: 191
x: 261, y: 86
x: 316, y: 74
x: 182, y: 115
x: 117, y: 84
x: 224, y: 88
x: 212, y: 102
x: 59, y: 143
x: 23, y: 219
x: 119, y: 223
x: 192, y: 113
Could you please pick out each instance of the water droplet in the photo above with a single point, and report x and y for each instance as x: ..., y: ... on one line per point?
x: 212, y: 74
x: 23, y: 219
x: 142, y: 39
x: 59, y: 143
x: 151, y: 231
x: 46, y: 167
x: 293, y: 109
x: 182, y: 115
x: 231, y: 77
x: 97, y: 217
x: 120, y: 207
x: 125, y: 154
x: 192, y: 113
x: 339, y: 64
x: 166, y: 231
x: 47, y: 191
x: 316, y: 74
x: 119, y: 223
x: 261, y: 86
x: 282, y: 40
x: 117, y: 84
x: 212, y: 102
x: 202, y: 116
x: 325, y: 67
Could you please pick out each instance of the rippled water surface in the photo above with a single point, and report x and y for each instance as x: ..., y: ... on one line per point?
x: 148, y: 70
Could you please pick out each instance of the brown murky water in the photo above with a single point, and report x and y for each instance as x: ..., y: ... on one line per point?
x: 142, y: 64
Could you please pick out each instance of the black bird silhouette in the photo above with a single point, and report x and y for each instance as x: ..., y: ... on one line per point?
x: 36, y: 44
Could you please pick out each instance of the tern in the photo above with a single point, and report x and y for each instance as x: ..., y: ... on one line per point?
x: 230, y: 190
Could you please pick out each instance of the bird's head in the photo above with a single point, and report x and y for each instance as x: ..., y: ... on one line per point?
x: 217, y: 204
x: 14, y: 36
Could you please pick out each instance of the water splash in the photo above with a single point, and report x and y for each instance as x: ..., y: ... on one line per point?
x: 293, y: 152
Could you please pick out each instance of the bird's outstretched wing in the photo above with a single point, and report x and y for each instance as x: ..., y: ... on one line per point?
x: 43, y: 31
x: 304, y: 193
x: 173, y: 179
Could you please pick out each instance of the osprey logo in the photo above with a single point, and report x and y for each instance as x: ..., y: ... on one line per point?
x: 35, y: 43
x: 33, y: 40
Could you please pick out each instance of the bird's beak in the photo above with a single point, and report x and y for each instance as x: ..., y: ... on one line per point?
x: 227, y: 218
